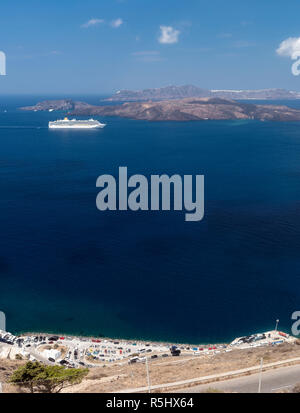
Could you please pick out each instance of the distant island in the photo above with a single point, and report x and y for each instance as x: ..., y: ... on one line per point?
x: 60, y: 104
x: 186, y: 109
x: 188, y: 91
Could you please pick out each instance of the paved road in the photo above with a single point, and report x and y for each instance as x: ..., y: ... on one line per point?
x: 283, y: 378
x: 212, y: 378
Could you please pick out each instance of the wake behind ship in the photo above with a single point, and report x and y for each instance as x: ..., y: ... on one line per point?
x: 75, y: 124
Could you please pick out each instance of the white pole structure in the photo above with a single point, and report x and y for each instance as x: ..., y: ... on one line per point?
x: 276, y: 326
x: 148, y: 376
x: 260, y: 375
x: 131, y: 371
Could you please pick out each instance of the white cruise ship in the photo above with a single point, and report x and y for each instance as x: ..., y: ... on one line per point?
x: 75, y: 124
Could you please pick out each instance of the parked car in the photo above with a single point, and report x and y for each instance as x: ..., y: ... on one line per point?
x: 133, y: 360
x: 53, y: 338
x: 175, y: 351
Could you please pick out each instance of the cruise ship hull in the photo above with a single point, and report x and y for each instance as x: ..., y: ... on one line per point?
x: 75, y: 126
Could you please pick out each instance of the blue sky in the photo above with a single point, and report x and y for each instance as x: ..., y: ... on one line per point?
x: 99, y: 46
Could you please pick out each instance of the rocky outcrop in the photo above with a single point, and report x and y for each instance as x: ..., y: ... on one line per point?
x: 176, y: 110
x: 62, y: 104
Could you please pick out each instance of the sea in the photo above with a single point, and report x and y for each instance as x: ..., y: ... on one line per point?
x: 68, y: 268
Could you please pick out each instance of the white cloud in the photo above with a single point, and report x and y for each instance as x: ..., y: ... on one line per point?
x: 289, y: 47
x: 92, y: 22
x: 168, y: 35
x: 116, y: 23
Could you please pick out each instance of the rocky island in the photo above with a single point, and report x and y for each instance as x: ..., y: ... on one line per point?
x: 60, y: 104
x: 188, y: 91
x: 187, y: 109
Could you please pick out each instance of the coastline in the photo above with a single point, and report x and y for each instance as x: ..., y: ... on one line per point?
x: 138, y: 340
x: 142, y: 340
x: 74, y: 351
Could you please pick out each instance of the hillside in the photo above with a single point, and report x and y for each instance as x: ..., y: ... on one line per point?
x: 120, y: 376
x: 188, y: 91
x: 193, y: 109
x: 175, y: 110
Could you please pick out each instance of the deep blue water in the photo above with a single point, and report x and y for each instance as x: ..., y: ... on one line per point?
x: 66, y: 267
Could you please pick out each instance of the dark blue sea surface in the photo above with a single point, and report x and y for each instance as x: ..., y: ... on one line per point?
x: 67, y: 267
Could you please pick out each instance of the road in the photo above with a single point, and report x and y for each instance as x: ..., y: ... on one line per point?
x: 279, y: 379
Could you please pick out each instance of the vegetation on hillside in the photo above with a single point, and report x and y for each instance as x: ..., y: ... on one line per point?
x: 39, y: 378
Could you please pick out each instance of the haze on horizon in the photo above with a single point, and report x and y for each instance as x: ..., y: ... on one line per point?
x: 98, y: 47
